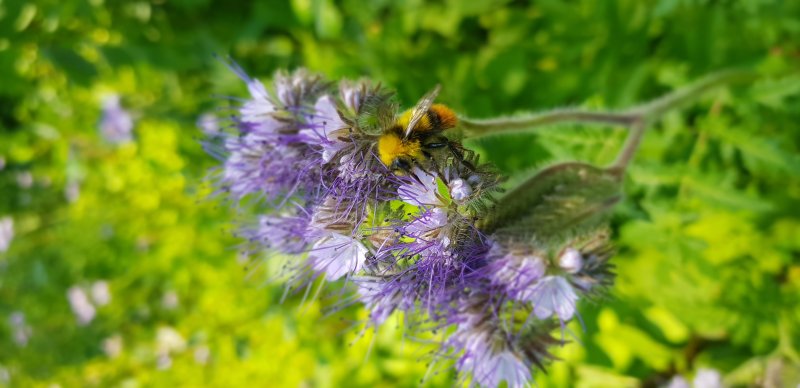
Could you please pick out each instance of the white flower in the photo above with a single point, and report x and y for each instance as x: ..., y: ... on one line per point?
x: 707, y: 378
x: 25, y: 179
x: 112, y: 346
x: 169, y: 340
x: 100, y: 294
x: 553, y: 294
x: 678, y: 382
x: 571, y: 260
x: 6, y: 232
x: 337, y: 255
x: 170, y: 300
x: 202, y: 354
x: 81, y: 307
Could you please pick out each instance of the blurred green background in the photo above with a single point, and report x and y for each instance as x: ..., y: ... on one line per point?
x: 122, y: 272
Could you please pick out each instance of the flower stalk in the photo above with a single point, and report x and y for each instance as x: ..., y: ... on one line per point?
x: 636, y: 118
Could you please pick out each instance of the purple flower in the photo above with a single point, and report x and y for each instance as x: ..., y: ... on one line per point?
x: 417, y: 243
x: 517, y: 273
x: 487, y: 353
x: 382, y: 298
x: 21, y: 331
x: 116, y: 124
x: 323, y: 126
x: 285, y: 234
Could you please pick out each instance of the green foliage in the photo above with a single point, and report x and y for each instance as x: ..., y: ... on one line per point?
x: 708, y: 233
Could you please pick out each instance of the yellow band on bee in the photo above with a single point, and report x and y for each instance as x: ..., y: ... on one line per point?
x: 423, y: 124
x: 391, y: 146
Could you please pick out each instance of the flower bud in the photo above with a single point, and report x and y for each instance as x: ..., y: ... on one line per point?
x: 459, y: 190
x: 571, y: 260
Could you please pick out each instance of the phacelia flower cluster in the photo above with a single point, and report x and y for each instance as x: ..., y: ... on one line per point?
x: 303, y: 153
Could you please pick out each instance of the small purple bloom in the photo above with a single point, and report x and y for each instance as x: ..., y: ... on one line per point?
x: 487, y: 354
x: 518, y: 274
x: 322, y: 128
x: 21, y: 330
x: 116, y: 124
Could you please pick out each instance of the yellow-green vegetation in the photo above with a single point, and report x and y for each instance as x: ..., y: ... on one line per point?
x: 708, y: 235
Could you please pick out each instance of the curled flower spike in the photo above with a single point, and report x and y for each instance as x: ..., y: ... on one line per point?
x: 424, y: 229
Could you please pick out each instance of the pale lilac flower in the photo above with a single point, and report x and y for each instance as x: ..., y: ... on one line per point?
x: 202, y: 355
x: 382, y: 298
x: 116, y: 124
x: 707, y: 378
x: 517, y: 273
x: 422, y: 191
x: 459, y: 190
x: 678, y: 381
x: 21, y: 331
x: 487, y: 354
x: 570, y: 260
x: 337, y: 255
x: 25, y: 179
x: 169, y: 300
x: 2, y: 163
x: 168, y: 341
x: 84, y: 311
x: 100, y: 293
x: 112, y: 346
x: 553, y: 295
x: 208, y: 123
x: 322, y: 127
x: 6, y: 233
x: 163, y: 361
x: 72, y: 191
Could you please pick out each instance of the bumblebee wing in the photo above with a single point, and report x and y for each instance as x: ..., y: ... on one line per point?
x: 421, y: 109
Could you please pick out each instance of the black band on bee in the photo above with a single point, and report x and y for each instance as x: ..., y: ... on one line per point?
x: 434, y: 119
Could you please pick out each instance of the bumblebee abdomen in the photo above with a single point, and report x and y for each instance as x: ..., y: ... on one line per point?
x: 441, y: 117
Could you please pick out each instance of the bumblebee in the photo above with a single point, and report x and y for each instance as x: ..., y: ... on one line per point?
x: 417, y: 136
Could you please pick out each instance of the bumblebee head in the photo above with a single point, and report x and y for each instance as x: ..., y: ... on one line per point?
x: 396, y: 153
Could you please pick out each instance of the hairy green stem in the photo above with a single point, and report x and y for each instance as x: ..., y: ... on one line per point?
x: 475, y: 128
x: 635, y: 118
